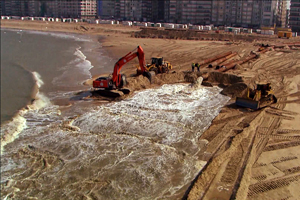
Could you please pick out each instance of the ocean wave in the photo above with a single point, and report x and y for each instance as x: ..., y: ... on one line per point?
x: 76, y: 37
x: 64, y: 36
x: 85, y: 64
x: 11, y: 130
x: 80, y: 54
x: 79, y: 67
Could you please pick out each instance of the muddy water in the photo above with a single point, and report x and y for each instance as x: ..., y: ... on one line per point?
x: 145, y: 147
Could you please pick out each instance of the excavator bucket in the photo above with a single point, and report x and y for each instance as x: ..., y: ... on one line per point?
x: 150, y: 75
x: 247, y: 103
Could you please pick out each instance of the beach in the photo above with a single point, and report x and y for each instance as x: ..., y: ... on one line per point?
x: 243, y: 154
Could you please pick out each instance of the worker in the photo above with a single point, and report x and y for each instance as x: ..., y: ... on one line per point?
x: 193, y: 66
x: 198, y: 67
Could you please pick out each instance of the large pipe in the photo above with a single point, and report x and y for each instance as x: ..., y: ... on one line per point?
x: 221, y: 60
x: 240, y: 62
x: 284, y: 45
x: 233, y: 64
x: 206, y: 61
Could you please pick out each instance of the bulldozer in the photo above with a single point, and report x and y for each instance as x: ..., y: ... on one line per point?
x: 257, y: 98
x: 158, y: 65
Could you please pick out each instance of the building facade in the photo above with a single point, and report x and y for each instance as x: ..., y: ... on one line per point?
x: 131, y: 10
x: 54, y: 8
x: 245, y: 13
x: 269, y: 9
x: 294, y: 20
x: 281, y: 14
x: 20, y: 8
x: 88, y: 8
x: 106, y: 9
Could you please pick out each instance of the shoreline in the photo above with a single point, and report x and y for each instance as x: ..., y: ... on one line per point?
x: 241, y: 144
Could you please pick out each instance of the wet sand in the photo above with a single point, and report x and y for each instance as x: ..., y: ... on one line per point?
x: 249, y: 154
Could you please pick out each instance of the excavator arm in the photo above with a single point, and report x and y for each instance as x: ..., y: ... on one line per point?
x: 117, y: 81
x: 138, y: 52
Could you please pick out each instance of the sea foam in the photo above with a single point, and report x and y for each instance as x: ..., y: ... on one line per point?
x: 11, y: 130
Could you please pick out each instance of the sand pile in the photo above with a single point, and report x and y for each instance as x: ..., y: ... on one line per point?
x: 235, y: 90
x: 184, y: 34
x: 232, y: 85
x: 222, y: 78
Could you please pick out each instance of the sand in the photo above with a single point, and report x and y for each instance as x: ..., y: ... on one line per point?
x: 249, y: 154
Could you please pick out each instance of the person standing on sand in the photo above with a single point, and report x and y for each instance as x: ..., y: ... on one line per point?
x: 193, y: 67
x: 198, y: 67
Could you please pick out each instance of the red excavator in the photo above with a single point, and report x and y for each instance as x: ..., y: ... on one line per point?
x: 117, y: 80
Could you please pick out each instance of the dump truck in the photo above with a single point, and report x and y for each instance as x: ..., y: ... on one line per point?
x: 257, y: 98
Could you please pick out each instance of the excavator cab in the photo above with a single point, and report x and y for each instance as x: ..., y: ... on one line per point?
x: 159, y: 65
x: 158, y: 61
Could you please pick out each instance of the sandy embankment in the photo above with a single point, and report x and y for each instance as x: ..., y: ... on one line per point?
x: 250, y: 154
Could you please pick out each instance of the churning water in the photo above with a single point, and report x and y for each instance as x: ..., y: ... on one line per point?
x: 145, y: 147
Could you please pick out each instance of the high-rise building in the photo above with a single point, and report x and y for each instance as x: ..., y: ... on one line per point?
x: 20, y: 8
x: 281, y: 13
x: 188, y: 11
x: 147, y: 10
x: 131, y: 10
x: 294, y: 20
x: 53, y: 8
x: 139, y: 10
x: 197, y: 12
x: 107, y: 9
x: 2, y: 8
x: 268, y: 13
x: 246, y: 13
x: 173, y: 13
x: 287, y: 20
x: 88, y: 8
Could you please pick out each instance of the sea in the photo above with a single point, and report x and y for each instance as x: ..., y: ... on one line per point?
x: 55, y: 144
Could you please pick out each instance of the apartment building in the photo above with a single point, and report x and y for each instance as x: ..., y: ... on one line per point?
x: 294, y: 20
x: 245, y: 13
x: 53, y: 8
x: 131, y: 10
x: 106, y: 9
x: 235, y: 12
x: 69, y: 8
x: 268, y: 14
x: 287, y: 20
x: 188, y: 11
x: 196, y: 12
x: 153, y: 10
x: 281, y: 14
x: 20, y: 8
x: 173, y: 13
x: 88, y: 8
x: 147, y: 10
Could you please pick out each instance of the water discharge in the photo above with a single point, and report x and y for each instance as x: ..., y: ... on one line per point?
x: 145, y: 147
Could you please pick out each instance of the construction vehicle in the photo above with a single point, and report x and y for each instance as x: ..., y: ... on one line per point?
x: 158, y: 65
x: 116, y: 81
x: 285, y: 34
x: 257, y: 98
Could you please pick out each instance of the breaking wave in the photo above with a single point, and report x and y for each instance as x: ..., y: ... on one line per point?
x: 79, y: 67
x: 11, y: 130
x: 86, y: 65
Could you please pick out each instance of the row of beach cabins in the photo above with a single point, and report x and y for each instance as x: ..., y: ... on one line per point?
x: 125, y: 23
x: 147, y: 24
